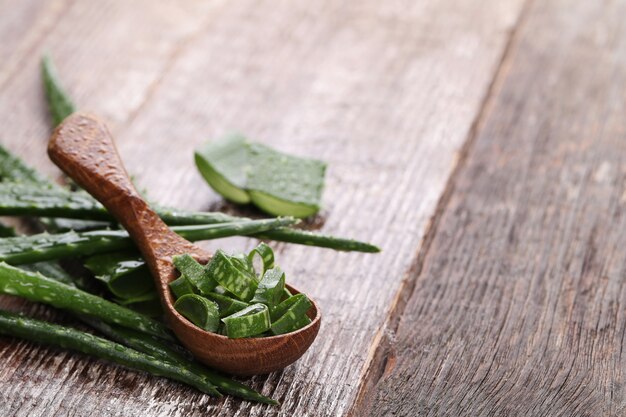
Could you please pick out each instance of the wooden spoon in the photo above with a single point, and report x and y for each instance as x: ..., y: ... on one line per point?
x: 83, y: 148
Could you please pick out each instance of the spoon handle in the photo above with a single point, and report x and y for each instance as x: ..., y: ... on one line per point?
x: 84, y: 149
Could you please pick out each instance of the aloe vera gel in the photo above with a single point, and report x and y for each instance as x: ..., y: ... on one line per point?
x: 247, y: 172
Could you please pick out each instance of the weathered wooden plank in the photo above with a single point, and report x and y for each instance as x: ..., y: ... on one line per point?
x: 519, y: 308
x: 385, y: 91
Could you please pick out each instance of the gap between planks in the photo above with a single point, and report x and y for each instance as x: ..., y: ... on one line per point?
x: 381, y: 355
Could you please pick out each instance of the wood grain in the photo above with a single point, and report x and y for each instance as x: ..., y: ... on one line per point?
x: 519, y: 308
x: 386, y: 92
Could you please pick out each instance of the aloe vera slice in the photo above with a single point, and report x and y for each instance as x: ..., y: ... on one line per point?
x: 264, y: 253
x: 200, y: 311
x: 250, y: 321
x: 181, y: 286
x: 277, y: 183
x: 271, y: 288
x: 197, y: 274
x: 292, y: 317
x: 299, y: 299
x: 226, y: 304
x: 222, y: 164
x: 238, y: 281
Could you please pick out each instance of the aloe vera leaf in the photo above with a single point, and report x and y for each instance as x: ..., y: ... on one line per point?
x: 38, y: 288
x: 18, y: 199
x: 36, y: 248
x: 69, y: 338
x: 59, y: 103
x: 177, y: 355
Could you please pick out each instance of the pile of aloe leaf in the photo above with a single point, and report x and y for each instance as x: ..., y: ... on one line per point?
x: 113, y: 297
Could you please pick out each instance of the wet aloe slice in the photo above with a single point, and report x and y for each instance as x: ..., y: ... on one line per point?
x: 226, y: 304
x: 292, y: 318
x: 181, y: 286
x: 271, y: 288
x: 277, y: 183
x: 250, y: 321
x: 197, y: 274
x: 232, y: 276
x: 200, y: 311
x: 301, y: 302
x: 222, y: 164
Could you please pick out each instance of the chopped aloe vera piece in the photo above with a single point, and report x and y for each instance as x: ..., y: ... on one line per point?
x: 125, y: 277
x: 264, y: 254
x: 222, y: 164
x: 227, y: 273
x: 197, y: 274
x: 241, y: 261
x: 288, y: 325
x: 291, y: 318
x: 286, y: 294
x: 270, y: 289
x: 283, y: 307
x: 181, y: 286
x: 250, y: 321
x: 200, y: 311
x: 277, y: 183
x: 227, y: 305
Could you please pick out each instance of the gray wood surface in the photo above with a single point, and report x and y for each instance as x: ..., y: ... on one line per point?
x: 479, y: 143
x: 519, y: 307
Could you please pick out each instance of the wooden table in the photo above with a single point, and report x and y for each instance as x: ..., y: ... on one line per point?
x: 481, y: 144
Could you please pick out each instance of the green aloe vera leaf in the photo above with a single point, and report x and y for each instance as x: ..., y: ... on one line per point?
x: 271, y: 288
x: 197, y: 274
x: 59, y: 103
x: 236, y: 280
x: 177, y: 355
x: 66, y: 337
x: 17, y: 199
x: 13, y: 169
x: 200, y: 311
x: 38, y: 288
x: 223, y: 165
x: 251, y: 321
x: 42, y: 247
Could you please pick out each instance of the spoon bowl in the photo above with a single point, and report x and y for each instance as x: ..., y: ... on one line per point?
x: 84, y: 149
